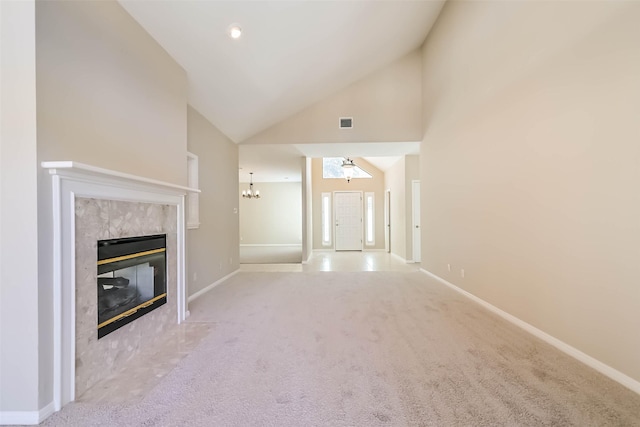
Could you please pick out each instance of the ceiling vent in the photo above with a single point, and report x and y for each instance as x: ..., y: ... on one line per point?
x: 346, y: 122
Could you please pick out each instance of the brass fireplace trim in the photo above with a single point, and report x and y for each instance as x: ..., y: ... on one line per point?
x: 132, y: 311
x: 136, y: 255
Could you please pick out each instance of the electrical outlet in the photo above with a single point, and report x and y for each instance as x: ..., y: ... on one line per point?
x: 449, y: 267
x: 462, y: 272
x: 195, y: 277
x: 220, y: 265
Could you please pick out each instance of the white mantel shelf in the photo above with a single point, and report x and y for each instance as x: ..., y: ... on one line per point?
x: 59, y: 167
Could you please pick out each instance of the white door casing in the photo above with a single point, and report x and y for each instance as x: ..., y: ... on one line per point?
x: 348, y: 220
x: 415, y: 215
x: 387, y: 221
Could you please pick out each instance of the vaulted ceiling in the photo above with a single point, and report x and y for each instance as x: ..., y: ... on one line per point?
x: 291, y: 54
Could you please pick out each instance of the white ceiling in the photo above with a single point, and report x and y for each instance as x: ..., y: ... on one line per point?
x: 291, y: 54
x: 270, y: 163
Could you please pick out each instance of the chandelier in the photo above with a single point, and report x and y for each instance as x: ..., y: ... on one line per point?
x: 347, y: 168
x: 250, y: 193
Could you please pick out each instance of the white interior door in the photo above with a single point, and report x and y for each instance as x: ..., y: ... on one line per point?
x: 415, y: 209
x: 348, y: 217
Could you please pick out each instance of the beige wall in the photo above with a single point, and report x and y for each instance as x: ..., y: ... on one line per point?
x: 20, y: 316
x: 275, y: 218
x: 213, y: 248
x: 321, y: 185
x: 108, y: 95
x: 385, y: 107
x: 530, y: 166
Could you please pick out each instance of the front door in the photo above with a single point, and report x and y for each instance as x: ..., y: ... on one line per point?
x: 348, y: 217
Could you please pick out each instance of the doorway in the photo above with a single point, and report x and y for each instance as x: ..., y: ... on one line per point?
x: 348, y: 220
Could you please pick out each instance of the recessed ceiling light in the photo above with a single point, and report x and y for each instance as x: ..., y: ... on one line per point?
x: 234, y: 31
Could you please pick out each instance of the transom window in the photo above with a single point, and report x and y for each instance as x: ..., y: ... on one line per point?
x: 332, y: 168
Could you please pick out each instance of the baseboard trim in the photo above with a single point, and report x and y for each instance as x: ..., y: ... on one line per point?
x: 211, y: 286
x: 592, y: 362
x: 26, y: 417
x: 398, y: 257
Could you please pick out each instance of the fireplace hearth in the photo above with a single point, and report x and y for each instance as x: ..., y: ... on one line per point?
x: 132, y: 280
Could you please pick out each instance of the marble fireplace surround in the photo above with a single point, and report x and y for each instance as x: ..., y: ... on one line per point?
x: 113, y: 204
x: 101, y: 219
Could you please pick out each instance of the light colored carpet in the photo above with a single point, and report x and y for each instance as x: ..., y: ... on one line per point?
x: 363, y: 349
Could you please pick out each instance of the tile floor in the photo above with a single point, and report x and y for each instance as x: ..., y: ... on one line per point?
x: 144, y: 370
x: 341, y: 261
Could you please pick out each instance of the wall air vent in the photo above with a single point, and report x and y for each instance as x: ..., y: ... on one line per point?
x: 346, y: 122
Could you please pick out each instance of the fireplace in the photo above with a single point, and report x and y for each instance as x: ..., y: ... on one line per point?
x: 91, y: 204
x: 132, y: 279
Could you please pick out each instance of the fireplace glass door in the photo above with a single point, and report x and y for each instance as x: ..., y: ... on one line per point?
x: 131, y: 279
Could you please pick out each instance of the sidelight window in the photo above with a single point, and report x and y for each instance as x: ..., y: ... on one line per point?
x: 326, y: 219
x: 369, y: 209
